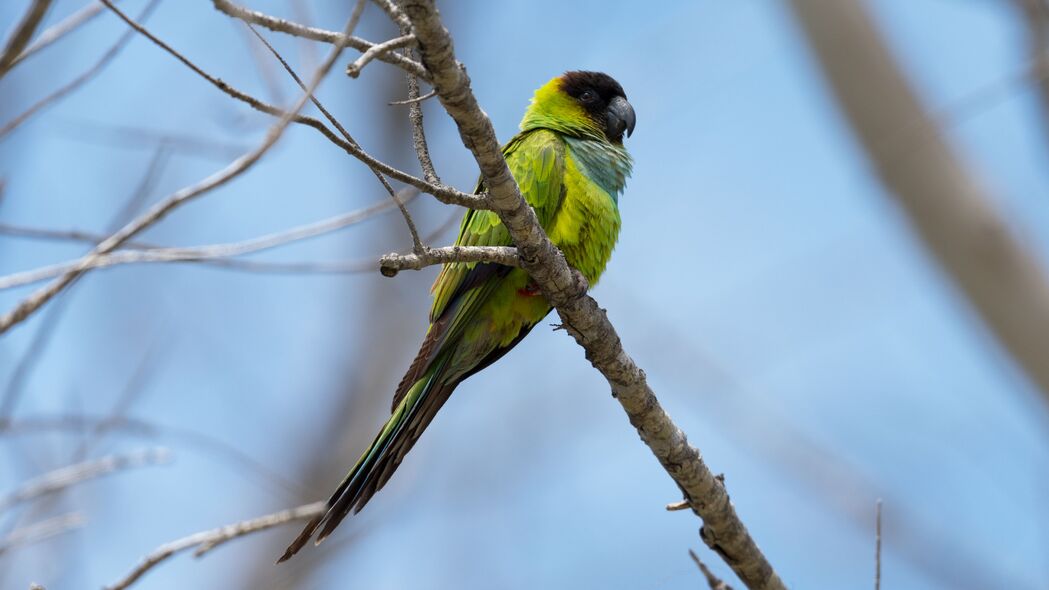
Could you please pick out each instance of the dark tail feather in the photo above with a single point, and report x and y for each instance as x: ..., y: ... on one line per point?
x: 382, y: 458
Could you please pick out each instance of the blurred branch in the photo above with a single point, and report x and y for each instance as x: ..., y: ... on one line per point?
x: 80, y: 80
x: 565, y: 289
x: 39, y: 531
x: 207, y: 540
x: 56, y: 32
x: 713, y: 581
x: 391, y: 264
x: 23, y: 32
x: 950, y: 211
x: 214, y: 447
x: 290, y: 28
x: 877, y: 546
x: 200, y: 253
x: 1036, y: 17
x: 160, y: 210
x: 123, y: 135
x: 64, y: 477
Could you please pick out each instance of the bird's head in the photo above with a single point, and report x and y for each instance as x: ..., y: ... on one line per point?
x: 584, y: 104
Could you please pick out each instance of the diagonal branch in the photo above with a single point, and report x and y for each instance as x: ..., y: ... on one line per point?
x: 23, y: 32
x: 207, y: 540
x: 354, y: 70
x: 948, y: 208
x: 723, y: 530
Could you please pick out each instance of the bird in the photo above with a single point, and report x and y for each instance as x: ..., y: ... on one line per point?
x: 571, y: 166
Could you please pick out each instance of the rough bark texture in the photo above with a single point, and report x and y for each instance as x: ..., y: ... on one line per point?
x: 948, y: 207
x: 565, y: 288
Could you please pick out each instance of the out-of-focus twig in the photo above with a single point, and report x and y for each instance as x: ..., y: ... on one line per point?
x: 1036, y: 17
x: 201, y: 253
x: 207, y: 540
x: 39, y: 531
x: 877, y: 546
x: 70, y: 475
x: 947, y: 206
x: 80, y: 80
x: 61, y: 29
x: 19, y: 38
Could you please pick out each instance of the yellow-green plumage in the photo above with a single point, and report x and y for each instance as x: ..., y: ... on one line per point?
x: 570, y: 165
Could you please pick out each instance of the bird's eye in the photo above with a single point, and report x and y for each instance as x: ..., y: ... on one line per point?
x: 588, y: 96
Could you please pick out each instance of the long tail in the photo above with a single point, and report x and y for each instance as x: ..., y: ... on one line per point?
x: 410, y: 417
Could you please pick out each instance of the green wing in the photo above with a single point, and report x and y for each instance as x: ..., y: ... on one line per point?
x: 536, y: 160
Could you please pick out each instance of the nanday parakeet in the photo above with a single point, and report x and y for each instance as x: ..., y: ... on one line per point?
x: 571, y: 166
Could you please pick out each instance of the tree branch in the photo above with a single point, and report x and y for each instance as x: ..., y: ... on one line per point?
x: 207, y: 540
x: 948, y: 208
x: 56, y: 32
x: 390, y: 264
x: 290, y: 28
x: 723, y: 531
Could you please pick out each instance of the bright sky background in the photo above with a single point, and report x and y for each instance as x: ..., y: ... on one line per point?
x: 784, y: 311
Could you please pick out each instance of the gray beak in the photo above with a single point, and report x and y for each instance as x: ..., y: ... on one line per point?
x: 620, y: 118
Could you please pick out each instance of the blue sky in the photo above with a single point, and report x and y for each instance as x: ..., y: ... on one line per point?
x: 787, y: 316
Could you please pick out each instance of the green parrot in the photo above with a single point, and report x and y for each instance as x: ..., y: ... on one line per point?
x: 571, y: 166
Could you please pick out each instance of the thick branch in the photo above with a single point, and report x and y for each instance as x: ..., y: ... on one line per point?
x: 288, y: 27
x: 207, y: 540
x: 390, y: 264
x: 723, y: 531
x: 949, y: 209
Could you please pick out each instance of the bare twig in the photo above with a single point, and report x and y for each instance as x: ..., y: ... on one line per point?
x: 23, y: 32
x: 160, y: 210
x: 877, y: 545
x: 391, y: 264
x: 949, y: 209
x: 57, y: 31
x: 285, y: 26
x: 713, y: 581
x: 354, y: 69
x: 80, y: 80
x: 207, y: 540
x: 202, y: 253
x: 675, y: 506
x: 39, y: 531
x: 565, y: 289
x: 417, y: 99
x: 64, y: 477
x: 415, y: 115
